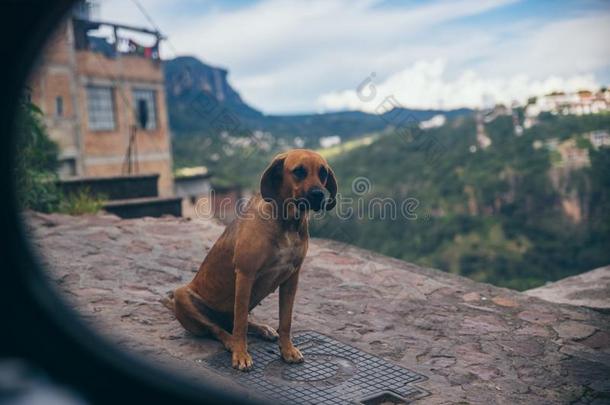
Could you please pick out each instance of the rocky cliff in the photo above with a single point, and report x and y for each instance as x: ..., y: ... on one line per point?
x: 194, y: 89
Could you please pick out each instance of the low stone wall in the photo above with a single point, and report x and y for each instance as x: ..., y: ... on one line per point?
x: 590, y: 289
x: 476, y: 343
x: 145, y: 207
x: 114, y: 187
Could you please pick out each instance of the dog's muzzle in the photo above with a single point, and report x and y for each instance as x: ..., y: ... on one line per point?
x: 315, y: 198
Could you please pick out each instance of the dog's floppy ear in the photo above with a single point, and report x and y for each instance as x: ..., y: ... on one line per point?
x: 331, y: 186
x: 272, y: 177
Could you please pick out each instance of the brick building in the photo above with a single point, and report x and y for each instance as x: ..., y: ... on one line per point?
x: 103, y: 100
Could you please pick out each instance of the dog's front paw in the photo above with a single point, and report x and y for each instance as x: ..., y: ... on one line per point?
x: 242, y: 360
x: 292, y: 355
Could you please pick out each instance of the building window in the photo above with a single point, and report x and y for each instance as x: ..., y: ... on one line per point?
x: 59, y: 106
x: 100, y: 106
x: 67, y: 168
x: 144, y: 101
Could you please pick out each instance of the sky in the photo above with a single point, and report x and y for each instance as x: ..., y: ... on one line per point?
x: 289, y: 57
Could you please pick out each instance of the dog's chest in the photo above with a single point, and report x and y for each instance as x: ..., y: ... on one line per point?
x: 287, y: 258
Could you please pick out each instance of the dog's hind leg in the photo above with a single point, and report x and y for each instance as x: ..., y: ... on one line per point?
x: 261, y: 330
x: 168, y: 301
x: 186, y: 307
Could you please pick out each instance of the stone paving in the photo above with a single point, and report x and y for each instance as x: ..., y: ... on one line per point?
x: 477, y: 344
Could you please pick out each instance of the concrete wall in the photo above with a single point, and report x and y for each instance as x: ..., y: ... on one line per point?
x: 66, y: 72
x: 55, y: 76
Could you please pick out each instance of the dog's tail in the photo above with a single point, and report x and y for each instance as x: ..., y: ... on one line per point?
x: 168, y: 301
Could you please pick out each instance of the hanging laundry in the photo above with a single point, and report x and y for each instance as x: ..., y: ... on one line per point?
x: 136, y: 48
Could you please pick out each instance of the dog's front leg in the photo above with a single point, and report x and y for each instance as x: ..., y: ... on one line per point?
x: 243, y: 286
x: 288, y: 292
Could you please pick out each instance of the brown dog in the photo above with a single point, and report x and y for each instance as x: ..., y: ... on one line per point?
x: 258, y: 252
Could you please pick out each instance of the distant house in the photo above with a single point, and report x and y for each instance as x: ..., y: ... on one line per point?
x: 582, y: 102
x: 193, y: 185
x: 599, y: 138
x: 330, y: 141
x: 103, y: 100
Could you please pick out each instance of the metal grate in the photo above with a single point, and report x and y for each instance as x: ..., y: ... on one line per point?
x: 333, y: 373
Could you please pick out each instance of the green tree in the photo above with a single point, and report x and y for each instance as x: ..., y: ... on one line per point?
x: 35, y: 161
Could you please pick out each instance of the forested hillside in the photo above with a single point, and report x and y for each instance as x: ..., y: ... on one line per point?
x: 496, y: 215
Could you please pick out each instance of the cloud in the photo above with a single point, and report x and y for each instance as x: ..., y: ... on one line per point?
x: 424, y: 85
x: 283, y: 55
x: 563, y: 47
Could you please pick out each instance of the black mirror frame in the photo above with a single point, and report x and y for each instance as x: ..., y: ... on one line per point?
x: 37, y: 326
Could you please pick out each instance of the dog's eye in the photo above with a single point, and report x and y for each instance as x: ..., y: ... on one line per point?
x: 300, y: 173
x: 323, y: 174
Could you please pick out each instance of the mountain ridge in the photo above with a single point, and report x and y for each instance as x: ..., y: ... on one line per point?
x: 188, y: 79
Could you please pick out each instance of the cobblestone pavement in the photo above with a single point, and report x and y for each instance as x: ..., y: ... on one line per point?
x: 477, y: 343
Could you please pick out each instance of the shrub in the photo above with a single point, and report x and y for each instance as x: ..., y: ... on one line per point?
x: 79, y: 203
x: 35, y: 162
x: 36, y: 165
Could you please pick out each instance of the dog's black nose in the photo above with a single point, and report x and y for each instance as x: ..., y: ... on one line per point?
x: 315, y: 195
